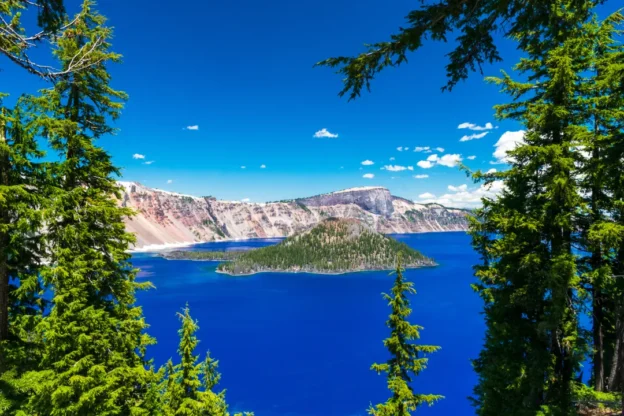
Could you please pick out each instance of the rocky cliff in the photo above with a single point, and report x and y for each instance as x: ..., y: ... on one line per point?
x: 166, y: 218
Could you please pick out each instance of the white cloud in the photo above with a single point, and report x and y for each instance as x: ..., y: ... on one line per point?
x: 148, y: 162
x: 368, y: 162
x: 421, y: 176
x: 473, y: 136
x: 472, y: 126
x: 170, y: 181
x: 194, y: 127
x: 508, y: 141
x: 245, y: 200
x: 491, y: 171
x: 421, y: 149
x: 471, y: 157
x: 263, y: 166
x: 469, y: 198
x: 138, y: 156
x: 397, y: 168
x: 460, y: 188
x: 400, y: 148
x: 440, y: 149
x: 449, y: 160
x: 406, y: 148
x: 324, y: 133
x: 426, y: 195
x: 243, y: 167
x: 368, y: 176
x: 392, y: 158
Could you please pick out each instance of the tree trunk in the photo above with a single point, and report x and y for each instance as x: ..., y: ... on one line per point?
x: 615, y: 361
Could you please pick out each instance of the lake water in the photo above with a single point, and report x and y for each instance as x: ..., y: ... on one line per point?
x: 302, y: 344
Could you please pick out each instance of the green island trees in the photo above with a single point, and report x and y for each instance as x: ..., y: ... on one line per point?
x: 332, y: 246
x: 407, y: 359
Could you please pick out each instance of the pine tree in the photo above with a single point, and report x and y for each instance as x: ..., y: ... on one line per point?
x: 597, y: 159
x: 92, y: 359
x: 188, y: 387
x: 22, y: 198
x: 529, y: 279
x: 407, y: 358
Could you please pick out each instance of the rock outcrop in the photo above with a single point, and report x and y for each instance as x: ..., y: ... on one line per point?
x: 166, y: 218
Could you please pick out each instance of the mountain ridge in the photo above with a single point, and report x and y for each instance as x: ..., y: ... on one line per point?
x: 164, y: 218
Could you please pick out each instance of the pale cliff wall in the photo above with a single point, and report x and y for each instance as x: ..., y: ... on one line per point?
x: 168, y: 218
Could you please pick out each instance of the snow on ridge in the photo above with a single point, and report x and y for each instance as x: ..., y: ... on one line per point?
x: 162, y: 191
x: 361, y: 188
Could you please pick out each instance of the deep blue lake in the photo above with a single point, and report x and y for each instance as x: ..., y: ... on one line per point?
x: 302, y: 344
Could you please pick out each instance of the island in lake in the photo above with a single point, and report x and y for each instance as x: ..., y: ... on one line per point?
x: 333, y: 246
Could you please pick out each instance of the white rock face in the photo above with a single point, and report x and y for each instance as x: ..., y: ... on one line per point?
x: 165, y: 218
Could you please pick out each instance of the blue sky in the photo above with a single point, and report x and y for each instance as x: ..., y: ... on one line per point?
x: 242, y: 72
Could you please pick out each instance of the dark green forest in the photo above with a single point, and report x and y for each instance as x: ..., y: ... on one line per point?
x: 74, y: 342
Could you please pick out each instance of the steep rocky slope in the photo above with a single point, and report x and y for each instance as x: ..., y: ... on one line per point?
x: 166, y: 218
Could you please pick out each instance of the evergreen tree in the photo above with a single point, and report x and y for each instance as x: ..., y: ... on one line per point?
x: 21, y: 198
x: 188, y: 387
x: 407, y: 358
x: 92, y: 359
x: 529, y: 278
x: 597, y: 159
x: 22, y: 189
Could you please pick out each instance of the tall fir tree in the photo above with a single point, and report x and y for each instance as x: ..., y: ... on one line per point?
x: 92, y: 360
x: 598, y: 153
x: 407, y: 359
x: 188, y: 387
x: 22, y: 201
x: 529, y: 278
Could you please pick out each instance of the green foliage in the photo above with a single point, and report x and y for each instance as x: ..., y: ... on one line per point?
x: 476, y: 22
x: 334, y: 246
x: 15, y: 43
x: 303, y: 206
x: 91, y: 360
x: 533, y: 284
x: 407, y: 358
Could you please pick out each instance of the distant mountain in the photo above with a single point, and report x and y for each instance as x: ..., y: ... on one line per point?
x: 332, y: 246
x: 167, y: 218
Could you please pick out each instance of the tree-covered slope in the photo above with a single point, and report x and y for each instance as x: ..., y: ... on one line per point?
x: 333, y: 246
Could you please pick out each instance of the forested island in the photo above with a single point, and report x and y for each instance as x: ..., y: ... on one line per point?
x: 333, y: 246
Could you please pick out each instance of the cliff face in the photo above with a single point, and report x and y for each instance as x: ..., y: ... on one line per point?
x: 375, y: 200
x: 169, y: 218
